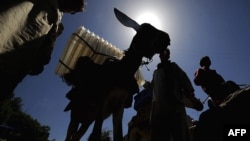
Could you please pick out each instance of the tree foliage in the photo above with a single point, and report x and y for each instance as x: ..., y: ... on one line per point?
x: 105, y: 135
x: 15, y: 125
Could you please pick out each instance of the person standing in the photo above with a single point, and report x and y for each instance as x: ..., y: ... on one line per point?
x: 168, y: 114
x: 29, y: 29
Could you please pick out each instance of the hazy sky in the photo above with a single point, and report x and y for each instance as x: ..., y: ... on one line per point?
x: 217, y: 28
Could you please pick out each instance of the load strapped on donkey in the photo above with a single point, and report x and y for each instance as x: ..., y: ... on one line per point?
x: 83, y: 42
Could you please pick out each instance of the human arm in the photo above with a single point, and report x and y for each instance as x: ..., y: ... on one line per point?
x: 183, y: 79
x: 198, y: 77
x: 187, y: 89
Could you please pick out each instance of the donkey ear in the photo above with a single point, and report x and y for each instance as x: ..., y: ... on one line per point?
x: 125, y: 20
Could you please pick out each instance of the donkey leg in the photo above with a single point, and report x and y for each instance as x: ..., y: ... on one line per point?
x: 118, y: 98
x: 97, y: 129
x: 82, y: 130
x: 132, y: 134
x: 117, y: 125
x: 72, y: 129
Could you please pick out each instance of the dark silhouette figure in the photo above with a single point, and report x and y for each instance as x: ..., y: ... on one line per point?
x: 115, y: 81
x: 212, y: 83
x: 168, y: 116
x: 214, y: 123
x: 27, y: 38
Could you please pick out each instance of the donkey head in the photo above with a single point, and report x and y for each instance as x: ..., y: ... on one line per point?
x: 148, y: 40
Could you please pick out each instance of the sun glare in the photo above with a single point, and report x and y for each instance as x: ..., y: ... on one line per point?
x: 149, y: 17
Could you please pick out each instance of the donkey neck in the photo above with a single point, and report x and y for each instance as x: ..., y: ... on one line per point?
x: 131, y: 62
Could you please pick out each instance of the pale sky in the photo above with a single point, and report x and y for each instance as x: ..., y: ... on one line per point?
x: 217, y: 28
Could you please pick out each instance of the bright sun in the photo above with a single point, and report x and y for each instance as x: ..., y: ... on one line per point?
x: 149, y: 17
